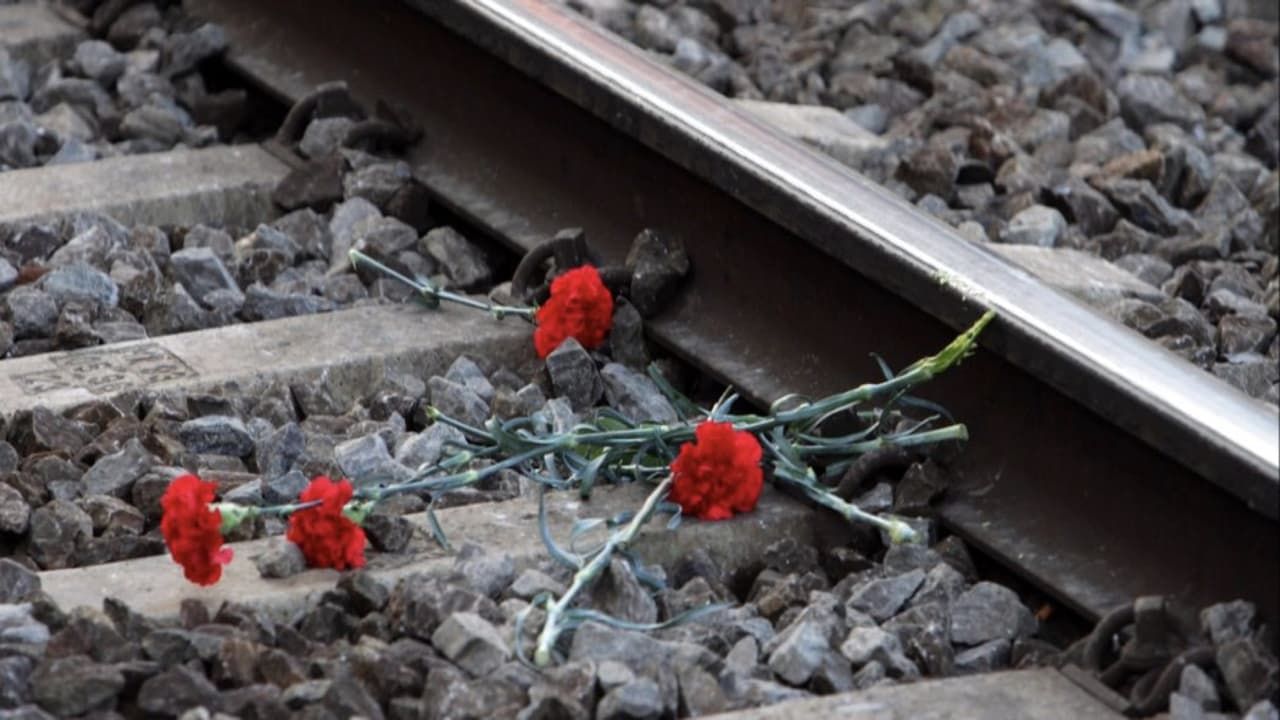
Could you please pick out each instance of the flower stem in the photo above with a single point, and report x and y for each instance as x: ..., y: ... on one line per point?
x: 551, y: 629
x: 432, y: 295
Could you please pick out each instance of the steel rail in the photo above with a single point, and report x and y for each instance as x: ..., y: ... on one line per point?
x: 801, y: 268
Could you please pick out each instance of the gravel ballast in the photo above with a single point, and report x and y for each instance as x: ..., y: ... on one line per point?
x: 1145, y: 133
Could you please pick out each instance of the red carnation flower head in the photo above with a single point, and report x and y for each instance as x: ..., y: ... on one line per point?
x: 192, y: 529
x: 327, y: 538
x: 718, y: 473
x: 580, y: 307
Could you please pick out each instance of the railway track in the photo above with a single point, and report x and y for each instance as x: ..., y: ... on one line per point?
x: 708, y: 173
x: 1100, y: 467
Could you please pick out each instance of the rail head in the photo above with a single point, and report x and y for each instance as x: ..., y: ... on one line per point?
x: 1206, y: 425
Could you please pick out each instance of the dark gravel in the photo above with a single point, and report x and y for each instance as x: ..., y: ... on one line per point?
x: 137, y: 85
x: 1147, y: 133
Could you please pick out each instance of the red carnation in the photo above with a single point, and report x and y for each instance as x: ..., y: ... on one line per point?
x: 580, y: 307
x: 326, y: 537
x: 718, y: 473
x: 192, y: 530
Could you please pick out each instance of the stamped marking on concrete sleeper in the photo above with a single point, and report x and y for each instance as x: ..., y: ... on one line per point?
x: 106, y: 370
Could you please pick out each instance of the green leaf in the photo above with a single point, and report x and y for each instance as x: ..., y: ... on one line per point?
x: 436, y: 530
x: 557, y: 554
x: 587, y: 476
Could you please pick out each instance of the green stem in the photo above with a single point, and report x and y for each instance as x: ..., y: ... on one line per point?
x: 447, y: 482
x: 433, y: 295
x: 950, y: 432
x: 551, y: 628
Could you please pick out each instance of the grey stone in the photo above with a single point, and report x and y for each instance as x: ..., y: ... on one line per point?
x: 531, y: 582
x: 261, y: 303
x: 635, y: 395
x: 463, y: 262
x: 75, y: 685
x: 881, y: 598
x: 18, y: 143
x: 308, y: 230
x: 160, y: 121
x: 931, y: 170
x: 280, y: 559
x: 389, y: 533
x: 1142, y: 205
x: 465, y: 372
x: 1228, y: 621
x: 246, y: 493
x: 283, y: 488
x: 458, y: 401
x: 903, y: 558
x: 15, y: 677
x: 626, y: 336
x: 1087, y: 207
x: 278, y: 451
x: 115, y: 474
x: 15, y: 77
x: 658, y: 264
x: 1253, y: 374
x: 15, y: 513
x: 870, y: 116
x: 701, y: 693
x: 324, y: 136
x: 386, y: 237
x: 428, y: 447
x: 347, y: 217
x: 8, y: 275
x: 1111, y: 17
x: 988, y: 611
x: 377, y: 182
x: 1109, y: 140
x: 1245, y: 333
x: 471, y: 643
x: 866, y: 645
x: 216, y: 435
x: 801, y: 652
x: 69, y: 125
x: 184, y: 50
x: 878, y: 499
x: 32, y: 311
x: 362, y: 459
x: 217, y: 240
x: 1249, y: 670
x: 640, y: 699
x: 1148, y: 98
x: 268, y: 238
x: 621, y: 595
x: 1224, y: 301
x: 992, y: 655
x: 612, y: 673
x: 559, y: 414
x: 646, y: 656
x: 942, y: 584
x: 486, y: 573
x: 1196, y: 685
x: 925, y: 633
x: 55, y: 531
x: 98, y: 60
x: 90, y: 246
x: 574, y: 375
x: 176, y: 690
x: 176, y: 312
x: 19, y: 625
